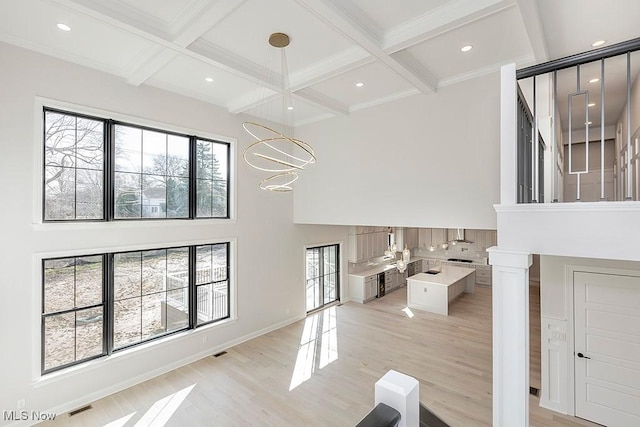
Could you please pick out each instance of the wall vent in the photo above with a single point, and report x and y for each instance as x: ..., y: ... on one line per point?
x: 77, y: 411
x: 222, y: 353
x: 534, y: 391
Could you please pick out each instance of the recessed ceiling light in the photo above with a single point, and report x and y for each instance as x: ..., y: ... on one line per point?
x: 208, y: 79
x: 598, y: 43
x: 63, y: 27
x: 466, y: 48
x: 596, y: 80
x: 591, y: 104
x: 289, y: 108
x: 359, y: 84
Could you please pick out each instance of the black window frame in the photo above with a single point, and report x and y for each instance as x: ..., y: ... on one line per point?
x: 45, y: 315
x: 322, y: 274
x: 194, y: 297
x: 109, y: 173
x: 108, y: 301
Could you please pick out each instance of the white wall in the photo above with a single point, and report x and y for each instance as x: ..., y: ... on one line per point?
x: 556, y: 311
x: 269, y: 247
x: 425, y: 161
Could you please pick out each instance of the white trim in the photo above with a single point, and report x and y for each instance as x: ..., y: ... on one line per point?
x: 68, y: 406
x: 617, y: 206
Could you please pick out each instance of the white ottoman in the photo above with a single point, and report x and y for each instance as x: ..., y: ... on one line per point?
x: 402, y: 393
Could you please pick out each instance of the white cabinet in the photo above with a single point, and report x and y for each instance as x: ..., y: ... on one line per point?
x: 411, y: 238
x: 483, y: 275
x: 428, y: 236
x: 370, y: 287
x: 439, y: 236
x: 482, y: 239
x: 402, y: 277
x: 363, y: 289
x: 424, y: 237
x: 367, y: 242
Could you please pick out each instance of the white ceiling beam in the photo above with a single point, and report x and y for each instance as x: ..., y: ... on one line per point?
x: 342, y: 62
x: 446, y: 18
x: 320, y: 100
x: 533, y: 26
x: 350, y: 24
x: 189, y: 31
x: 198, y: 49
x: 263, y: 77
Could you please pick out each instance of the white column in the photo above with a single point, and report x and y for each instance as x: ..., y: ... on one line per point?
x: 402, y: 393
x: 510, y: 289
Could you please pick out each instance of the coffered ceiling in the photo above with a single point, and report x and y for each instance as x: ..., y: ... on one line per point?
x: 395, y: 48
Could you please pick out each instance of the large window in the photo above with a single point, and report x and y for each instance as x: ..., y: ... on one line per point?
x: 323, y: 276
x: 94, y: 305
x: 100, y: 169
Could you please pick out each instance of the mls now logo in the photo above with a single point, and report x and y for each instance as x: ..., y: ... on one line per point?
x: 27, y: 416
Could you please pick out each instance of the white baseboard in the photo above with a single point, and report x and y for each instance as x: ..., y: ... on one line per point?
x: 130, y: 382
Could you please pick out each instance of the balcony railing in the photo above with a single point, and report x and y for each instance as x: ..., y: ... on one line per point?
x: 578, y: 127
x: 212, y: 297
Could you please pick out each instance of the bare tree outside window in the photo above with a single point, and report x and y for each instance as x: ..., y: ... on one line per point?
x: 74, y: 167
x: 149, y: 173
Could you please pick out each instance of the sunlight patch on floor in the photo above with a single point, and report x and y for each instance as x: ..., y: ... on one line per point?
x: 318, y: 345
x: 120, y: 422
x: 408, y: 312
x: 161, y: 411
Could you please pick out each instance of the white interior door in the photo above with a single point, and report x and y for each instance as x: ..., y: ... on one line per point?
x: 607, y: 348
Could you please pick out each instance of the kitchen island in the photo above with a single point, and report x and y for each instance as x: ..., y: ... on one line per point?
x: 434, y: 292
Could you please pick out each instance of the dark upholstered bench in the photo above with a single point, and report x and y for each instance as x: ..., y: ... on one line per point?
x: 381, y: 416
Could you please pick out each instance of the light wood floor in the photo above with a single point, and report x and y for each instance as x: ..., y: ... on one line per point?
x: 250, y: 385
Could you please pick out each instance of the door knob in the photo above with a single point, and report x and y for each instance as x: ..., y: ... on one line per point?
x: 582, y: 356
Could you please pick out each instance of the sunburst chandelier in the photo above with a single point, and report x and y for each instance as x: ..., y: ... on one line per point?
x: 273, y: 151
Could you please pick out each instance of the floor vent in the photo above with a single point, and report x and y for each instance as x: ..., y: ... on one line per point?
x: 77, y: 411
x: 222, y: 353
x: 534, y: 391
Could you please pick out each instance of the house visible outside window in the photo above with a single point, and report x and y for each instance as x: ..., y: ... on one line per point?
x: 151, y: 174
x: 97, y: 169
x: 94, y: 305
x: 322, y: 276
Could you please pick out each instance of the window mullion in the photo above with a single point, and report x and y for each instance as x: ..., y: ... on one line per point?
x: 193, y: 291
x: 108, y: 295
x: 109, y: 170
x: 192, y: 176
